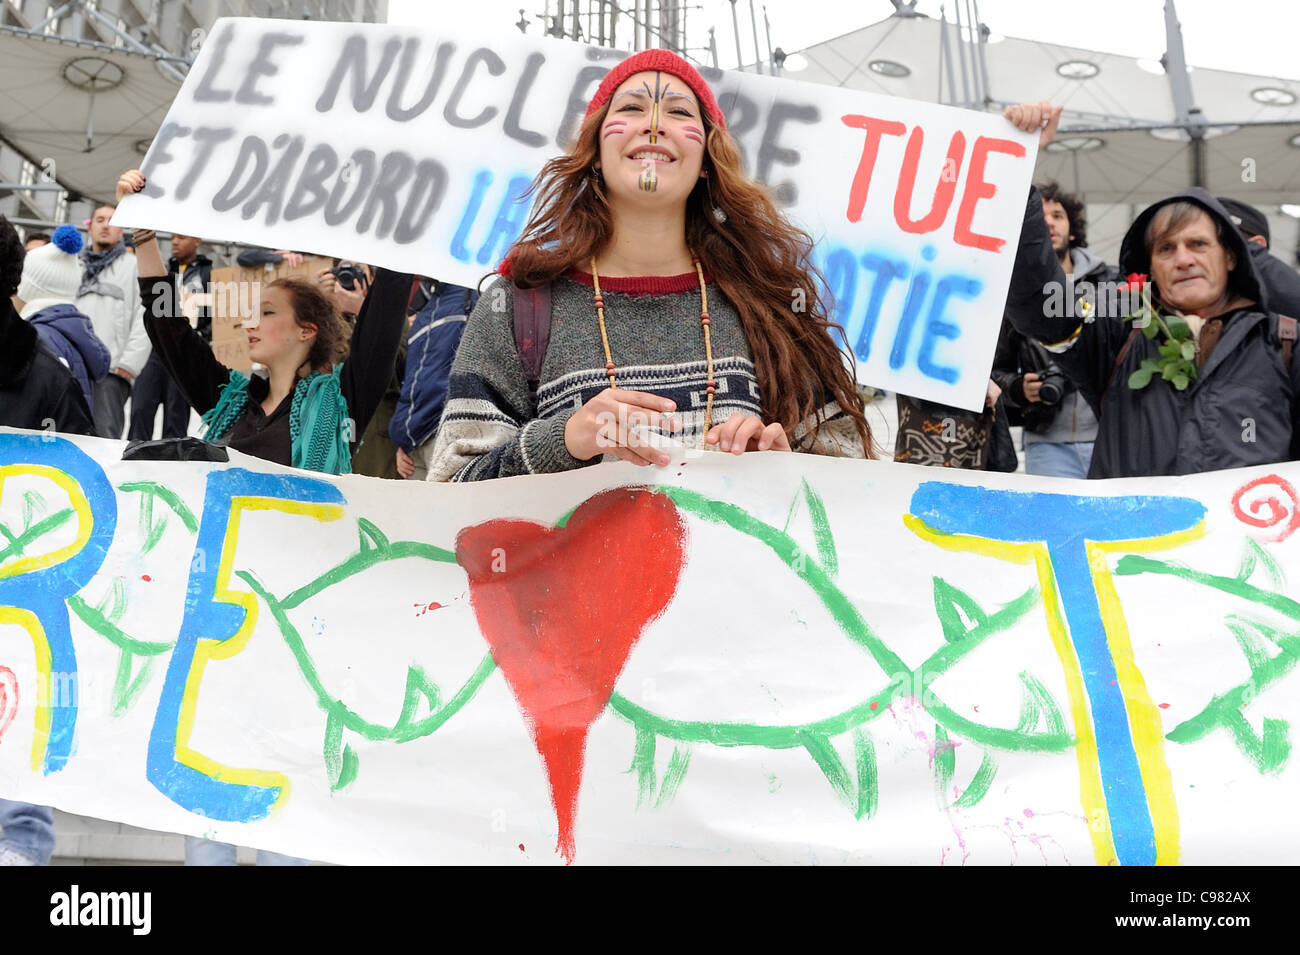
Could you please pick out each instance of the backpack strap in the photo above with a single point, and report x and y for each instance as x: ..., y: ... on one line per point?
x: 1286, y: 333
x: 1119, y: 360
x: 532, y: 321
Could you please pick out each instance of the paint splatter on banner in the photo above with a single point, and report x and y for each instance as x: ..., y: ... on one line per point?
x: 779, y: 658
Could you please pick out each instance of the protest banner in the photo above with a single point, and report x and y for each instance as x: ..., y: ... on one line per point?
x: 414, y: 149
x: 776, y: 658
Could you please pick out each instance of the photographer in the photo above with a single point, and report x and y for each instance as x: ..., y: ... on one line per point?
x: 1059, y: 425
x: 347, y: 284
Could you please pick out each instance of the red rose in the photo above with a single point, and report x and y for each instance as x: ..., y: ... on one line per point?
x: 1136, y: 281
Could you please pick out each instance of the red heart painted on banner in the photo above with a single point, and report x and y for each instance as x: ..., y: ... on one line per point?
x: 8, y: 698
x: 561, y: 609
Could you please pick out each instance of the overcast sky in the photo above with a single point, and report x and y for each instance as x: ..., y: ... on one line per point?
x: 1249, y: 36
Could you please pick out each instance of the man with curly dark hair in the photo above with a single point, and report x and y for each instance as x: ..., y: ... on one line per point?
x: 1060, y: 427
x: 37, y: 392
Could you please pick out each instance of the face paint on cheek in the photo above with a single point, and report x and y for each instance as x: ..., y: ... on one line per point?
x: 613, y: 127
x: 693, y: 132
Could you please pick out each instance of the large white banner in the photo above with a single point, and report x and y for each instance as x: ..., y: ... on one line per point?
x: 413, y: 148
x: 778, y: 658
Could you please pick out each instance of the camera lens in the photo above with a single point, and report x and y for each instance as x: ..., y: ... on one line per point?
x: 347, y: 275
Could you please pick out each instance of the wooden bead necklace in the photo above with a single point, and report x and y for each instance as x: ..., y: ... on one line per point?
x: 711, y: 384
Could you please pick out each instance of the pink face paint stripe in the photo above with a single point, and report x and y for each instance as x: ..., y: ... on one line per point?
x: 693, y: 132
x: 615, y: 126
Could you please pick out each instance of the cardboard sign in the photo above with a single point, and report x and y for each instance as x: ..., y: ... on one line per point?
x: 234, y: 292
x: 415, y: 149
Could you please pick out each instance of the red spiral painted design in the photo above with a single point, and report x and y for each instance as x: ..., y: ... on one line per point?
x: 1268, y: 502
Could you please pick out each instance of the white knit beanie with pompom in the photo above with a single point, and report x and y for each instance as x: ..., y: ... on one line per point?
x: 53, y: 271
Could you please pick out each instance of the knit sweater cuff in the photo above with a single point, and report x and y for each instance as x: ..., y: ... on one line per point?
x: 542, y: 444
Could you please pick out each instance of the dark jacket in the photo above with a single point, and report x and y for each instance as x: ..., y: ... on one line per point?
x: 1242, y: 408
x: 1281, y: 282
x: 1018, y: 355
x: 430, y: 349
x: 70, y: 336
x: 36, y: 390
x: 195, y: 281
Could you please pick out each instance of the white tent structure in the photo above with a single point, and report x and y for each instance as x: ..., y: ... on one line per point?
x: 85, y: 84
x: 80, y: 110
x: 1131, y: 132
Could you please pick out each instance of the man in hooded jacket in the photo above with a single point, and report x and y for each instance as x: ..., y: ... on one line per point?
x: 1239, y: 409
x: 50, y: 278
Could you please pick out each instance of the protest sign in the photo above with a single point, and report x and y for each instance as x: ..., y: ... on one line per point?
x: 414, y: 149
x: 777, y: 658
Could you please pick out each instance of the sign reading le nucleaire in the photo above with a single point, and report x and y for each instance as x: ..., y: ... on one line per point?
x: 413, y: 148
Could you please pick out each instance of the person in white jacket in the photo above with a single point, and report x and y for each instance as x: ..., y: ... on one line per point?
x: 110, y: 296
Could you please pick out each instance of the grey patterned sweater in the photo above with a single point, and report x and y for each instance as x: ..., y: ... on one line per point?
x: 489, y: 428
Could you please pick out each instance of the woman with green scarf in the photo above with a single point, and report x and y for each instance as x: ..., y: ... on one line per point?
x: 312, y: 409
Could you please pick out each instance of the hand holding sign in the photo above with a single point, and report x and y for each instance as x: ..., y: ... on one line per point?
x: 129, y: 182
x: 615, y: 422
x: 148, y: 256
x: 1035, y: 117
x: 741, y: 433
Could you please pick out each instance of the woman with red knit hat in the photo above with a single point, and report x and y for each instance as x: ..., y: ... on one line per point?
x: 656, y: 289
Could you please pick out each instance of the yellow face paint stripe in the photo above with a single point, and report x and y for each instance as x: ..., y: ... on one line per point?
x: 221, y: 649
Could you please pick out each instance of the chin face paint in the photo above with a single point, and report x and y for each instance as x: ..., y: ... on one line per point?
x: 649, y: 179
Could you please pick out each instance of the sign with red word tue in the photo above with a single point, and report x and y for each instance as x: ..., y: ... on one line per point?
x: 414, y: 148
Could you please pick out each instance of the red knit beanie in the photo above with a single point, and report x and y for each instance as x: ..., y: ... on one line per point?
x: 663, y: 61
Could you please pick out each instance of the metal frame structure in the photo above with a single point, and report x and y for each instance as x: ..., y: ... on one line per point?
x: 163, y: 34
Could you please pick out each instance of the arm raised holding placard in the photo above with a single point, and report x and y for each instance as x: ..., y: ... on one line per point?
x: 1041, y: 300
x: 313, y: 406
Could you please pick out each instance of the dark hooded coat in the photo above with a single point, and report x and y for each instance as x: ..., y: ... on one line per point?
x: 36, y: 390
x: 69, y: 334
x: 1241, y: 409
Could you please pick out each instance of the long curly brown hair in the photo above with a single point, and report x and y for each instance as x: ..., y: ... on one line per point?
x: 760, y: 261
x: 312, y: 307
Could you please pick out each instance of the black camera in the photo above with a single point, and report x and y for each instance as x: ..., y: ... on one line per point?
x: 1053, y: 386
x: 349, y: 275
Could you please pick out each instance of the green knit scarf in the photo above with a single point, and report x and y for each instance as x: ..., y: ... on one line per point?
x: 320, y: 431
